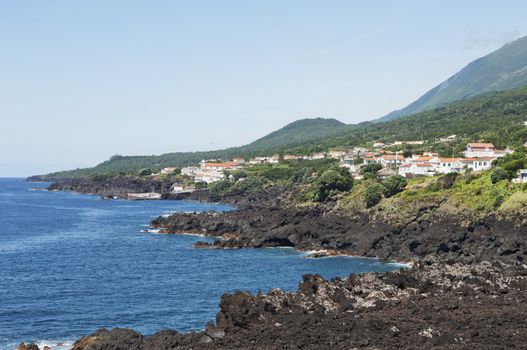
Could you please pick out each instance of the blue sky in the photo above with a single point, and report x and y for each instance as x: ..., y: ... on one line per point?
x: 83, y: 80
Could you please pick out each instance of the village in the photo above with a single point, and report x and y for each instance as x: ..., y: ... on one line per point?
x: 478, y: 156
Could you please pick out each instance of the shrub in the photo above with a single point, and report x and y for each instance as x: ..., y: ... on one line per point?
x: 373, y: 195
x: 371, y: 168
x: 251, y: 184
x: 498, y: 174
x: 447, y: 181
x: 393, y: 185
x: 145, y: 172
x: 330, y: 182
x: 220, y: 187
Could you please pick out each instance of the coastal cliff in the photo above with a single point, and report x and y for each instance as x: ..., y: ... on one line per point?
x: 429, y: 229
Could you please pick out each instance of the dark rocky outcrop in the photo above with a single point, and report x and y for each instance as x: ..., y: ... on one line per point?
x: 432, y: 230
x: 430, y: 306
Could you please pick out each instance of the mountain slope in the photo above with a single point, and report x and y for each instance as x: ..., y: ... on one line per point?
x: 501, y: 70
x: 300, y: 132
x: 496, y: 117
x: 297, y: 134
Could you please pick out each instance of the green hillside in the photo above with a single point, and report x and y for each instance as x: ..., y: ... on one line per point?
x: 297, y: 134
x: 500, y: 70
x: 496, y: 117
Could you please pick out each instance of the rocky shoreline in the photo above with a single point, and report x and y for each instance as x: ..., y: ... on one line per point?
x: 431, y: 231
x: 467, y: 287
x: 430, y: 306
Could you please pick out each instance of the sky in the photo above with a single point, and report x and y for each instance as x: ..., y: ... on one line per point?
x: 83, y: 80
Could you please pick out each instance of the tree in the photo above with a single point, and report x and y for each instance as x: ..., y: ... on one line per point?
x: 498, y: 174
x: 145, y: 172
x: 373, y: 195
x: 393, y: 185
x: 330, y: 182
x: 371, y: 168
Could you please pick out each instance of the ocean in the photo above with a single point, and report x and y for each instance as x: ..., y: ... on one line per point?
x: 71, y: 264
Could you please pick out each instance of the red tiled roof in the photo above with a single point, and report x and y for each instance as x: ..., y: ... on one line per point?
x: 480, y: 145
x: 449, y: 160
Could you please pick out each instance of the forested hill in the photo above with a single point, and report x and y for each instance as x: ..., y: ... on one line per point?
x: 501, y: 70
x: 297, y: 134
x: 495, y: 117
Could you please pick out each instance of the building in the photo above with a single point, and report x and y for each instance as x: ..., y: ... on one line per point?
x: 423, y: 169
x: 522, y: 176
x: 168, y: 170
x: 449, y: 165
x: 178, y: 188
x: 379, y: 145
x: 399, y: 143
x: 218, y: 166
x: 337, y: 154
x: 478, y: 149
x: 448, y: 138
x: 238, y: 160
x: 291, y: 157
x: 390, y: 159
x: 209, y: 177
x: 190, y: 170
x: 369, y: 160
x: 318, y: 155
x: 478, y: 164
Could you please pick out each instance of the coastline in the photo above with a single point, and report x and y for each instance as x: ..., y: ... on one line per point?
x: 433, y: 276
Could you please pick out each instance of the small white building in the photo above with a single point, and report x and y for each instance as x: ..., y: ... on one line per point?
x: 168, y: 170
x: 209, y: 177
x: 190, y: 170
x: 479, y: 149
x: 337, y: 154
x: 450, y: 165
x: 390, y: 159
x: 522, y: 177
x: 318, y: 155
x: 424, y: 169
x: 478, y: 164
x: 238, y: 160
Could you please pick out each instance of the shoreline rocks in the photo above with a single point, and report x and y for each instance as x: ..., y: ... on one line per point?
x: 432, y: 305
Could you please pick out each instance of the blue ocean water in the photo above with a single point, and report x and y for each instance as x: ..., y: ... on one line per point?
x: 70, y: 264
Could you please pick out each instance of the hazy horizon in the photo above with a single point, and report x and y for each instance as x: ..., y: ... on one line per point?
x: 84, y: 81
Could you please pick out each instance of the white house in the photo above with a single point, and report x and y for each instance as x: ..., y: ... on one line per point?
x: 209, y: 177
x: 407, y: 169
x: 190, y: 170
x: 478, y: 149
x: 238, y: 160
x: 168, y: 170
x: 522, y: 176
x: 337, y: 154
x: 478, y: 164
x: 369, y: 160
x: 390, y: 159
x: 450, y: 165
x: 318, y: 155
